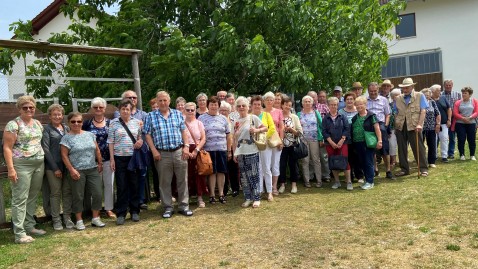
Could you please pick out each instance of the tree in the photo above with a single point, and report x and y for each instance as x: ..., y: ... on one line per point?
x: 243, y: 45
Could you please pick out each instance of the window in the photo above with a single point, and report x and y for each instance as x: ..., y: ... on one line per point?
x: 406, y: 27
x: 413, y: 64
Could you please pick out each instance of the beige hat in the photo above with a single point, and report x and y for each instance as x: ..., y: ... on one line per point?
x: 337, y: 89
x: 407, y: 82
x: 387, y: 82
x: 357, y: 85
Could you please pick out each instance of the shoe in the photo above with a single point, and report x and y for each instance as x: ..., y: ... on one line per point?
x: 307, y: 185
x: 201, y: 204
x: 432, y: 165
x: 473, y: 158
x: 367, y: 186
x: 390, y: 175
x: 212, y: 200
x: 69, y: 224
x: 377, y: 173
x: 462, y: 158
x: 120, y: 220
x: 282, y: 189
x: 318, y: 185
x: 294, y: 189
x: 401, y: 174
x: 451, y: 157
x: 350, y: 187
x: 168, y: 214
x: 37, y: 232
x: 96, y: 222
x: 24, y: 240
x: 80, y: 226
x: 235, y: 193
x: 445, y: 160
x: 110, y: 214
x: 143, y: 206
x: 222, y: 199
x: 361, y: 180
x: 246, y: 203
x: 270, y: 198
x: 186, y: 212
x: 336, y: 185
x: 275, y: 192
x: 135, y: 217
x: 326, y: 179
x: 173, y: 199
x: 57, y: 226
x: 256, y: 204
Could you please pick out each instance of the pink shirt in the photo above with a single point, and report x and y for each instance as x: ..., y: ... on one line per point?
x: 196, y: 128
x: 277, y: 116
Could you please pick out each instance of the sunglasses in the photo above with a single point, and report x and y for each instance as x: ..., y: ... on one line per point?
x: 241, y: 106
x: 76, y: 121
x: 26, y: 108
x: 189, y: 110
x: 132, y: 97
x: 98, y: 107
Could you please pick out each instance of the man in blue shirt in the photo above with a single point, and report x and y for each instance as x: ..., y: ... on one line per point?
x: 451, y: 97
x: 166, y: 137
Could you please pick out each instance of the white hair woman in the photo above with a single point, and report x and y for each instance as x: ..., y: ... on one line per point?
x: 201, y: 101
x: 431, y: 127
x: 392, y: 140
x: 311, y: 122
x: 246, y: 152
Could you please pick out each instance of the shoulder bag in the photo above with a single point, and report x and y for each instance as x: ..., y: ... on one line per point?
x: 300, y: 148
x: 259, y: 139
x: 274, y: 140
x: 140, y: 158
x: 203, y: 159
x: 337, y: 162
x: 370, y: 139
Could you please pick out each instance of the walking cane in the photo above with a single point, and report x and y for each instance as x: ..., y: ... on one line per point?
x: 418, y: 155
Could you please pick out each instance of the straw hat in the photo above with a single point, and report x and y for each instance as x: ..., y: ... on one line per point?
x: 387, y: 82
x: 407, y: 82
x: 357, y: 85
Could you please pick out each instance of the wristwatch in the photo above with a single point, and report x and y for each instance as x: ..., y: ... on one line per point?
x: 186, y: 145
x: 198, y: 150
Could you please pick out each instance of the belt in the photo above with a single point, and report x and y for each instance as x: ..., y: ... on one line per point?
x: 170, y: 150
x: 245, y: 141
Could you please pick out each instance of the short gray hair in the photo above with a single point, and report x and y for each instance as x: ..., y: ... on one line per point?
x: 190, y: 104
x: 161, y: 92
x: 201, y: 95
x: 98, y: 101
x: 226, y: 105
x: 55, y: 107
x: 396, y: 91
x: 435, y: 87
x: 332, y: 99
x: 372, y: 84
x: 128, y: 91
x: 242, y: 99
x: 307, y: 97
x: 268, y: 95
x: 180, y: 99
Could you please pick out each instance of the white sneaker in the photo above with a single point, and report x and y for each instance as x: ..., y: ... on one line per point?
x: 367, y: 186
x: 69, y: 224
x: 57, y: 226
x: 433, y: 165
x: 96, y: 222
x: 350, y: 187
x: 80, y: 226
x: 282, y: 189
x: 462, y: 158
x: 361, y: 180
x: 336, y: 185
x: 473, y: 158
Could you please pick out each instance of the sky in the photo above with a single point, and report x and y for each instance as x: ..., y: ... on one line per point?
x: 14, y: 10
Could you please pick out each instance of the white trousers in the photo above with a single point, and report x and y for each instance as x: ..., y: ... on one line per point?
x: 108, y: 177
x: 392, y: 141
x: 443, y: 138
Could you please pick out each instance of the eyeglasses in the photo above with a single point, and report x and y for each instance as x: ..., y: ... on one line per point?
x: 132, y: 97
x: 98, y: 107
x: 26, y: 108
x: 76, y: 121
x: 241, y: 106
x: 190, y: 110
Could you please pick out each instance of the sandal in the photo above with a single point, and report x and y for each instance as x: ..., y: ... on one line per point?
x: 24, y: 240
x: 168, y: 214
x: 111, y: 215
x: 256, y: 204
x: 186, y: 212
x: 401, y: 174
x: 270, y: 198
x: 201, y: 204
x: 212, y: 200
x: 424, y: 174
x: 222, y: 199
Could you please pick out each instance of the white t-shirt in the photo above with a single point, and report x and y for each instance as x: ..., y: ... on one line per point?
x: 241, y: 132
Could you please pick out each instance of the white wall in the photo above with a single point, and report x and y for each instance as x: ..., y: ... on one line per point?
x: 452, y: 26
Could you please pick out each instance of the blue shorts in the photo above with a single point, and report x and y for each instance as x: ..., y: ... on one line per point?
x: 219, y: 161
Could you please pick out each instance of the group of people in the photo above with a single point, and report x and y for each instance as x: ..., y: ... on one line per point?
x: 251, y: 142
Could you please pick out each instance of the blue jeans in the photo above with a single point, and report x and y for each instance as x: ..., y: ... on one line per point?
x: 366, y: 160
x: 451, y: 142
x: 126, y: 187
x: 466, y: 132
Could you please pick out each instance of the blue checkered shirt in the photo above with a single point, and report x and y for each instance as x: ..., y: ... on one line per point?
x: 166, y: 133
x: 452, y: 98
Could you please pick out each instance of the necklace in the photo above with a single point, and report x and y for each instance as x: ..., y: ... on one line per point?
x: 99, y: 121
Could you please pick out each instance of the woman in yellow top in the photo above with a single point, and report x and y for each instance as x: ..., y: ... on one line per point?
x: 265, y: 156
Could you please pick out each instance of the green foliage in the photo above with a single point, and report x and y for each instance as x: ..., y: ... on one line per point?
x: 246, y: 46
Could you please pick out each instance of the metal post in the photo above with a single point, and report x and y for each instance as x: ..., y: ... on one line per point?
x: 3, y: 218
x: 74, y: 104
x: 137, y: 84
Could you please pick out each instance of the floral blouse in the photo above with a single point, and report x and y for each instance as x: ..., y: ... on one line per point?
x: 28, y: 143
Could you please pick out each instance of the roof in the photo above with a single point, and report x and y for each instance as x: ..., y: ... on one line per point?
x: 48, y: 14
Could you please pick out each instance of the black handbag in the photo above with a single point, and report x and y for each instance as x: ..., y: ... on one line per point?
x: 300, y: 148
x: 140, y: 158
x: 337, y: 162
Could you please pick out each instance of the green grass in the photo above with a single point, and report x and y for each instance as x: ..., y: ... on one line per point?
x: 406, y: 223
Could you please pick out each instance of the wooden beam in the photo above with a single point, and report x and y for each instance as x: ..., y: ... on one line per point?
x: 65, y: 48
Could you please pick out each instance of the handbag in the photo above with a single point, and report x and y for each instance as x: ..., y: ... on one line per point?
x: 203, y: 159
x: 371, y: 139
x: 259, y: 139
x: 337, y: 162
x: 140, y: 158
x: 300, y: 148
x: 274, y: 140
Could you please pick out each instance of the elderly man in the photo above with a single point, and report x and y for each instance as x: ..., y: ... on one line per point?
x: 451, y: 97
x: 445, y: 112
x: 314, y: 96
x: 411, y: 109
x: 380, y: 106
x: 166, y: 137
x: 338, y: 93
x: 321, y: 105
x: 385, y: 89
x: 222, y: 95
x: 357, y: 88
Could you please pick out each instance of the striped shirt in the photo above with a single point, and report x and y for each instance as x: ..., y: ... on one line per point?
x: 379, y: 106
x: 166, y: 132
x: 452, y: 97
x: 117, y: 135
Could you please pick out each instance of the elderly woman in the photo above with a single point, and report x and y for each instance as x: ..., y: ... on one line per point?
x: 431, y: 127
x: 99, y: 126
x: 180, y: 102
x: 60, y: 189
x: 201, y: 101
x: 121, y: 146
x: 246, y: 152
x: 362, y: 122
x: 311, y: 122
x: 24, y: 160
x: 278, y: 96
x: 218, y: 143
x: 292, y: 129
x: 232, y: 169
x: 80, y: 153
x: 336, y: 133
x: 392, y: 140
x: 197, y: 139
x: 349, y: 111
x: 465, y: 112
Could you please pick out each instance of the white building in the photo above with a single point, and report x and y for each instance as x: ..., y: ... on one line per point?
x: 438, y: 41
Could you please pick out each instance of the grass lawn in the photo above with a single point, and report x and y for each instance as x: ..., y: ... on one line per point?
x: 429, y: 222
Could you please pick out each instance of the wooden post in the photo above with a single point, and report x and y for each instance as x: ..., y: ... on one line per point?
x: 137, y: 84
x: 74, y: 104
x: 3, y: 216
